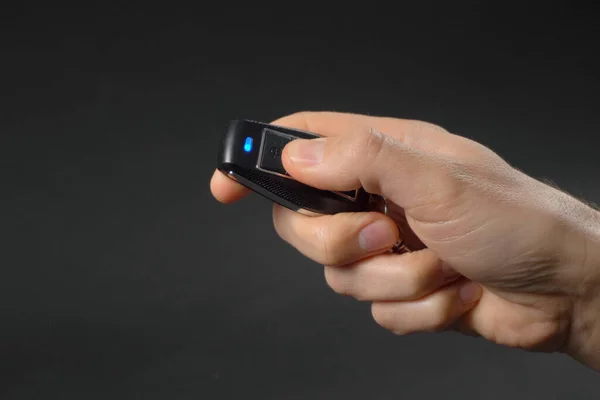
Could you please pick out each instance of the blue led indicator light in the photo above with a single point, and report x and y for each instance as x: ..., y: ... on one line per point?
x: 248, y: 145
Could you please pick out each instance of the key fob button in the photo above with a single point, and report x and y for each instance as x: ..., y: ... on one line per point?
x: 270, y: 155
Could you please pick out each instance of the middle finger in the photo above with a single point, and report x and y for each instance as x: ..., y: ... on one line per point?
x: 336, y: 239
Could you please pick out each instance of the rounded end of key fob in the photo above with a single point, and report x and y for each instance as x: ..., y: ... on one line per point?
x: 250, y: 153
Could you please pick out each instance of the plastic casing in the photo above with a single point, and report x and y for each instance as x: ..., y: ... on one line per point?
x: 242, y: 166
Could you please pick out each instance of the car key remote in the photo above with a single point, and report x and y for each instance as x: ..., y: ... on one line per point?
x: 250, y: 153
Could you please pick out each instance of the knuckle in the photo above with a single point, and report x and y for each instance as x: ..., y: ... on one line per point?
x: 440, y: 317
x: 326, y: 244
x: 384, y: 317
x: 478, y: 154
x: 366, y: 143
x: 415, y: 283
x: 418, y: 128
x: 474, y: 153
x: 336, y: 281
x: 367, y: 148
x: 372, y: 143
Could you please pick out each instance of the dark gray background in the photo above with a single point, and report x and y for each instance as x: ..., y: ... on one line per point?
x: 121, y: 277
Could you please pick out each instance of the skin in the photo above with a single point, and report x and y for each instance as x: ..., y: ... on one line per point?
x: 508, y: 258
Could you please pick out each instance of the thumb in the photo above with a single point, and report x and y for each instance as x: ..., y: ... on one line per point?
x: 381, y: 164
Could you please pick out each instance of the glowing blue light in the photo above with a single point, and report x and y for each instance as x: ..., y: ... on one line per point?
x: 248, y: 145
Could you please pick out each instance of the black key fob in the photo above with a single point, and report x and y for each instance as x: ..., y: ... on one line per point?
x: 250, y: 153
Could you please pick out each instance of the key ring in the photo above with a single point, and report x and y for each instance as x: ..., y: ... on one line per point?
x: 400, y: 247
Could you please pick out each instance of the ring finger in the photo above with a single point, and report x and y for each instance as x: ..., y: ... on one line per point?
x: 432, y: 313
x: 391, y: 277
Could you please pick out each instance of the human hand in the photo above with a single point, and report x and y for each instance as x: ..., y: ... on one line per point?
x: 508, y: 258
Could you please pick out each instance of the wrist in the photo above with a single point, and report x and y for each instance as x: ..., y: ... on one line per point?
x: 583, y: 252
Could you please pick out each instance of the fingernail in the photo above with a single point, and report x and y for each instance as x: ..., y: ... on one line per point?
x: 469, y: 292
x: 376, y: 236
x: 306, y: 151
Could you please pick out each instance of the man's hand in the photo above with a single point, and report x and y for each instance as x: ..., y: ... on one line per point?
x: 508, y: 257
